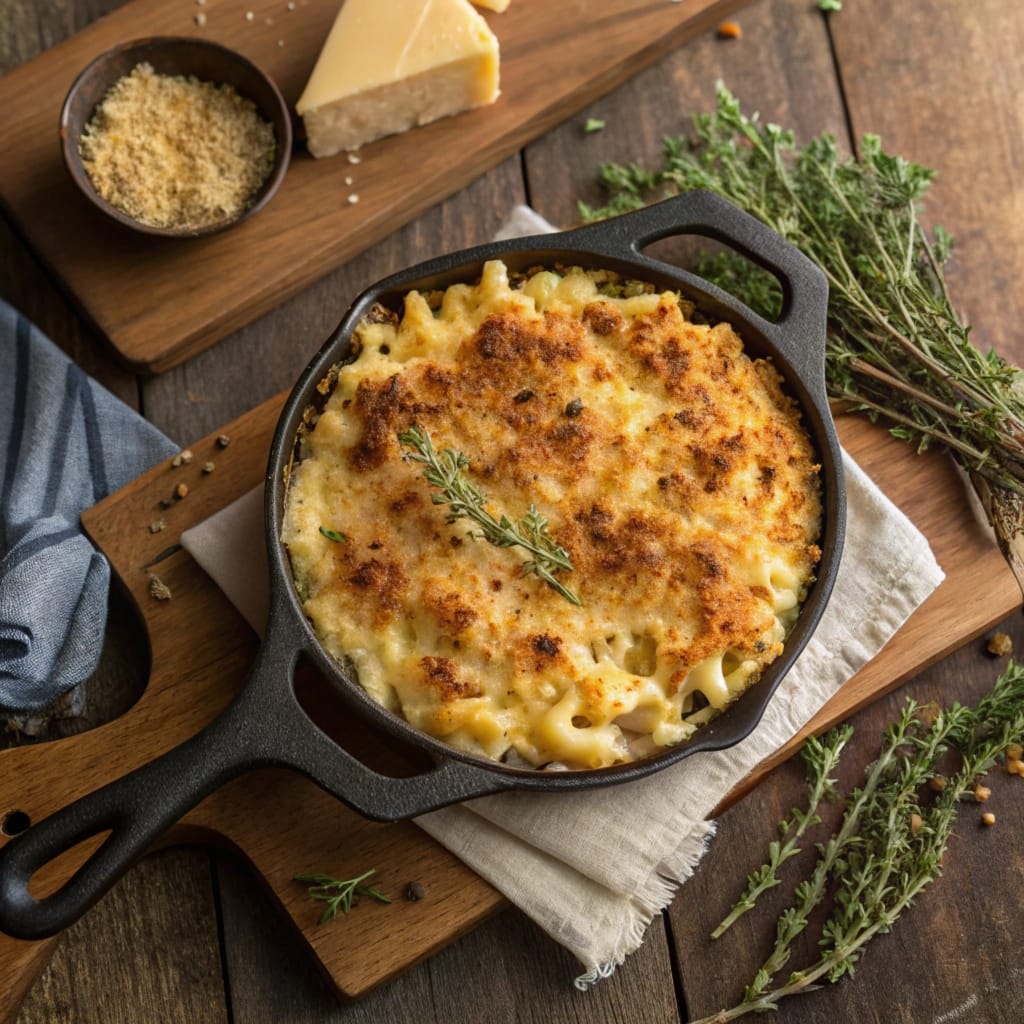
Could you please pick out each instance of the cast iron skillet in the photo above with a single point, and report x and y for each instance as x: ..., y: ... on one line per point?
x: 265, y: 725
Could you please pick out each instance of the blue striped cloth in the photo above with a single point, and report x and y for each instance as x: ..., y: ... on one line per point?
x: 65, y: 443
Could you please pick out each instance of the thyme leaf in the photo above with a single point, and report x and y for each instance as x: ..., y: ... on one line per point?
x: 891, y: 841
x: 335, y: 535
x: 443, y: 470
x: 340, y: 894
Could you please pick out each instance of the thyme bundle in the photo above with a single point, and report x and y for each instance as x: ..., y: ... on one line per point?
x: 443, y: 470
x: 896, y: 348
x: 891, y: 841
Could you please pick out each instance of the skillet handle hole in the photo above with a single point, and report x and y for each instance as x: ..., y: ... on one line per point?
x: 13, y: 823
x: 50, y: 877
x: 758, y: 289
x: 330, y: 711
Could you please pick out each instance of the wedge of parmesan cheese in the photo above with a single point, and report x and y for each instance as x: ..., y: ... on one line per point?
x: 388, y: 67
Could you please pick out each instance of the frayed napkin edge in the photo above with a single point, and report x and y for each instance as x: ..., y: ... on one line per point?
x: 665, y: 881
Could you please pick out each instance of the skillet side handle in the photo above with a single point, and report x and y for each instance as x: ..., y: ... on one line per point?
x: 135, y: 809
x: 799, y: 333
x: 291, y: 739
x: 384, y: 797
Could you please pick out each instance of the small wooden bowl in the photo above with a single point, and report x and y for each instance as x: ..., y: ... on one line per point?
x: 171, y: 55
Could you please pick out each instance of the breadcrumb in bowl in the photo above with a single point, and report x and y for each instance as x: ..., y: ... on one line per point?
x: 175, y: 137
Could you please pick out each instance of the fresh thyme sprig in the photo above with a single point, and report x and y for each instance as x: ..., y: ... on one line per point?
x: 896, y: 348
x: 443, y: 470
x: 339, y: 894
x: 821, y: 757
x: 891, y: 842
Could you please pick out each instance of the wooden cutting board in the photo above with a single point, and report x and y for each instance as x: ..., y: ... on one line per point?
x: 159, y: 301
x: 281, y: 822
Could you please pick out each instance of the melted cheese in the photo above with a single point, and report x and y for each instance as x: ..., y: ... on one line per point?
x: 671, y: 467
x: 386, y: 67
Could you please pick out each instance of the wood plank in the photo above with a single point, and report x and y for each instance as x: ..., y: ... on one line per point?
x: 953, y: 954
x: 782, y: 65
x: 159, y: 301
x: 164, y: 907
x: 507, y: 970
x: 951, y: 958
x: 968, y: 125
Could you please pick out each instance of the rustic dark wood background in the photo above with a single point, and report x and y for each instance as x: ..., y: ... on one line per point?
x: 187, y: 935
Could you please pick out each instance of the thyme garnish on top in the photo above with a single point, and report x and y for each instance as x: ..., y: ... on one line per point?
x: 443, y: 470
x: 893, y: 835
x: 896, y: 347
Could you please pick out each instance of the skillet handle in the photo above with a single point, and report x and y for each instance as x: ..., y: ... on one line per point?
x: 263, y: 727
x: 799, y: 333
x: 135, y: 809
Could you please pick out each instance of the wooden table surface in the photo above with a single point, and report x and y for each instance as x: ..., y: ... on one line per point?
x: 188, y: 936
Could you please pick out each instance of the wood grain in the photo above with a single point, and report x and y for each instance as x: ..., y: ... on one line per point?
x: 159, y: 301
x: 954, y: 957
x: 951, y: 958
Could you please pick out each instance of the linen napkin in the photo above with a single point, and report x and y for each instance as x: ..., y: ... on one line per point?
x: 65, y: 443
x: 593, y: 868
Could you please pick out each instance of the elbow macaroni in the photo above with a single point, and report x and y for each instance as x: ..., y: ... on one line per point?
x: 669, y: 464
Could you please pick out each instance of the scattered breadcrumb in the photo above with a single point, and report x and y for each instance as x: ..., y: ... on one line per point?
x: 999, y: 644
x: 1015, y: 766
x: 249, y: 16
x: 729, y: 30
x: 199, y: 19
x: 223, y: 441
x: 159, y: 589
x: 354, y: 158
x: 353, y: 199
x: 981, y: 793
x: 157, y: 525
x: 208, y: 467
x: 348, y: 179
x: 173, y: 151
x: 988, y: 818
x: 181, y: 490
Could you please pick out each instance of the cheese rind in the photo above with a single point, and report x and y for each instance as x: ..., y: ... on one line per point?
x: 386, y: 68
